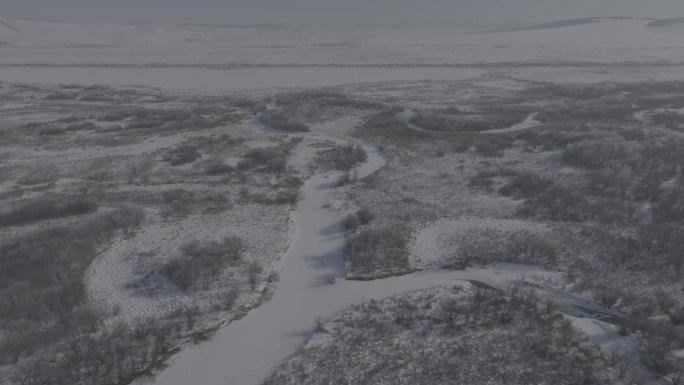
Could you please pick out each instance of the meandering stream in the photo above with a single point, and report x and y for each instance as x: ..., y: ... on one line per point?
x: 248, y: 350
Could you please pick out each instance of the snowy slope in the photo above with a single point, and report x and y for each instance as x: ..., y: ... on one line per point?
x: 595, y: 39
x: 45, y: 34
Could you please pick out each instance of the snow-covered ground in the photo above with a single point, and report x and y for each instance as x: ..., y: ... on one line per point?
x: 111, y: 279
x: 221, y: 58
x: 201, y: 59
x: 312, y: 287
x: 247, y: 350
x: 529, y: 122
x: 599, y: 40
x: 436, y: 243
x: 235, y: 79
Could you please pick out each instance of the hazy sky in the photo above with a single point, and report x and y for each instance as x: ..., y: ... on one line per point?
x: 334, y: 11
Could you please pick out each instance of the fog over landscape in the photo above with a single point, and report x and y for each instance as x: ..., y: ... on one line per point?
x: 322, y: 192
x: 329, y: 12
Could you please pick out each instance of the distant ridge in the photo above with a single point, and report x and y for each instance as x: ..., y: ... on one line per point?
x: 567, y: 23
x: 10, y: 26
x: 666, y: 22
x: 226, y: 26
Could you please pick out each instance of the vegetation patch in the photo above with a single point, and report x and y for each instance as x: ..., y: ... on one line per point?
x: 441, y: 336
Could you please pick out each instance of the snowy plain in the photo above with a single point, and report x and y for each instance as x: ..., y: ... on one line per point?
x: 247, y: 350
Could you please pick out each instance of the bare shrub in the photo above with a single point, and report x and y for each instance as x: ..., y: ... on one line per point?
x: 607, y: 295
x: 47, y: 208
x: 272, y: 277
x: 319, y: 326
x: 665, y: 302
x: 254, y: 269
x: 365, y: 216
x: 202, y: 261
x: 592, y: 153
x: 677, y: 315
x: 482, y: 181
x: 83, y: 126
x: 374, y: 250
x: 226, y: 299
x: 486, y: 246
x: 439, y: 334
x: 389, y: 124
x: 351, y: 222
x: 342, y: 158
x: 326, y: 98
x: 215, y: 169
x: 39, y: 176
x: 344, y: 179
x: 526, y: 247
x: 280, y: 121
x: 51, y: 130
x: 41, y: 275
x: 59, y: 96
x: 181, y: 155
x: 457, y: 122
x: 526, y: 185
x: 493, y: 146
x: 329, y: 279
x: 273, y: 159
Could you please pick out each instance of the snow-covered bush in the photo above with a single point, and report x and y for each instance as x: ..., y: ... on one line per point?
x: 280, y: 121
x: 201, y: 261
x: 182, y: 155
x: 342, y: 158
x: 438, y: 336
x: 377, y: 250
x: 41, y: 278
x: 525, y: 185
x: 46, y: 208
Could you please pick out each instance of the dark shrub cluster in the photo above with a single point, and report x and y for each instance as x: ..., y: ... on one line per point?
x: 83, y: 126
x: 181, y: 155
x: 602, y: 152
x: 440, y: 122
x: 526, y: 185
x: 377, y: 250
x: 669, y: 119
x: 361, y: 217
x: 389, y: 124
x: 280, y: 121
x: 443, y: 337
x: 272, y: 159
x: 51, y: 130
x: 202, y: 261
x: 342, y: 158
x: 493, y: 146
x: 47, y: 208
x: 282, y: 197
x: 177, y: 119
x: 215, y: 169
x: 489, y: 246
x: 112, y: 355
x: 326, y: 98
x: 41, y: 277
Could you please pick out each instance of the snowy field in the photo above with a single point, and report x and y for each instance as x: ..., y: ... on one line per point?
x: 218, y: 59
x: 210, y: 80
x: 591, y: 40
x: 158, y: 134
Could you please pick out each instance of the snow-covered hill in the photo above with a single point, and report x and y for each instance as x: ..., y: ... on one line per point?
x: 38, y: 51
x: 596, y: 33
x: 590, y: 39
x: 24, y: 33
